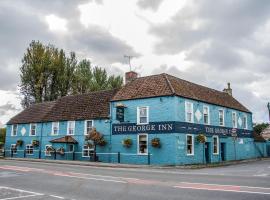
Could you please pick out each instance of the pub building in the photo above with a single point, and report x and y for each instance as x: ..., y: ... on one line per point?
x: 158, y: 119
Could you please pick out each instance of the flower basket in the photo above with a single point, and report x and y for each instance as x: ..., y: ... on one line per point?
x: 156, y: 142
x: 19, y: 143
x: 50, y: 150
x: 61, y: 151
x: 201, y: 138
x: 127, y: 142
x: 35, y: 143
x: 96, y: 137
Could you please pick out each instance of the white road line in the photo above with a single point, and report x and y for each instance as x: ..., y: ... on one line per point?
x: 26, y: 196
x: 20, y: 190
x: 97, y: 175
x: 261, y: 175
x: 58, y: 197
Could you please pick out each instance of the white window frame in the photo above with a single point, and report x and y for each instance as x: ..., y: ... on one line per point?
x: 138, y: 144
x: 27, y: 153
x: 245, y: 122
x: 223, y: 117
x: 13, y: 145
x: 215, y: 153
x: 53, y: 128
x: 208, y: 114
x: 186, y: 111
x: 192, y: 153
x: 138, y: 114
x: 68, y: 126
x: 85, y: 126
x: 49, y: 154
x: 234, y: 124
x: 88, y: 149
x: 30, y: 130
x: 12, y: 130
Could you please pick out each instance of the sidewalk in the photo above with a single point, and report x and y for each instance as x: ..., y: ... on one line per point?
x: 117, y: 165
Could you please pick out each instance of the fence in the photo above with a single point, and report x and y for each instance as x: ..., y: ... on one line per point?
x: 117, y: 157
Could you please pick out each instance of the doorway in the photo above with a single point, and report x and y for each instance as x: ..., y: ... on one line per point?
x: 222, y: 151
x: 207, y: 152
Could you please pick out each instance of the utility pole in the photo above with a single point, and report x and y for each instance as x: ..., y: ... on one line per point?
x: 129, y: 59
x: 268, y: 106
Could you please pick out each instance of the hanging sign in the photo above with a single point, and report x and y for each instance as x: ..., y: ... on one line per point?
x: 120, y: 114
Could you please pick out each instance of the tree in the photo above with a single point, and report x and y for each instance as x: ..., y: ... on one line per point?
x: 2, y: 135
x: 258, y: 128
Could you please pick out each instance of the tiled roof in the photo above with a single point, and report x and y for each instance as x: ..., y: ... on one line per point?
x: 65, y: 139
x: 85, y: 106
x: 166, y: 85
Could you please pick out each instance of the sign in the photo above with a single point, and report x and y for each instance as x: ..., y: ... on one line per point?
x: 234, y: 132
x: 176, y: 127
x: 120, y: 114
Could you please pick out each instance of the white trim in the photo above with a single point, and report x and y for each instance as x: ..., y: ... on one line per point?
x: 223, y: 111
x: 30, y: 130
x: 47, y: 145
x: 86, y: 149
x: 234, y: 125
x: 245, y: 125
x: 138, y: 143
x: 208, y: 114
x: 138, y: 115
x: 217, y: 153
x: 15, y: 148
x: 12, y: 128
x: 69, y: 127
x: 53, y: 129
x: 85, y: 125
x: 192, y: 136
x: 186, y: 113
x: 31, y: 148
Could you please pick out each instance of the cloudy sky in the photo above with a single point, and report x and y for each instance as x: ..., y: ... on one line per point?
x: 204, y: 41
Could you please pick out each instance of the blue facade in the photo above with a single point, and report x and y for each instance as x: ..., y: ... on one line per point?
x: 161, y: 111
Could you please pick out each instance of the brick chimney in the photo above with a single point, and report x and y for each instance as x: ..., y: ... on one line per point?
x: 130, y: 76
x: 228, y: 90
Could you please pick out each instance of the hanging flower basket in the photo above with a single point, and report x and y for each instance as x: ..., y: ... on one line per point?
x: 127, y: 142
x: 201, y: 138
x: 96, y: 137
x: 156, y: 142
x: 35, y: 143
x: 50, y: 150
x: 19, y: 143
x: 61, y: 151
x: 89, y: 144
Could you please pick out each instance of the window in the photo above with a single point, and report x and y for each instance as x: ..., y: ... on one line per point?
x: 55, y: 128
x: 234, y: 122
x: 215, y: 145
x: 88, y: 126
x: 71, y: 127
x: 48, y: 150
x: 221, y: 117
x: 33, y: 128
x: 190, y: 144
x: 189, y: 112
x: 143, y: 115
x: 206, y: 115
x: 29, y: 150
x: 13, y: 148
x: 14, y: 130
x: 142, y: 144
x: 245, y: 122
x: 87, y: 151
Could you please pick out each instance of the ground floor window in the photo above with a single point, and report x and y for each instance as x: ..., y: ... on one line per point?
x: 87, y: 150
x: 29, y: 150
x: 142, y: 144
x: 190, y: 144
x: 215, y: 145
x: 13, y: 148
x: 48, y: 150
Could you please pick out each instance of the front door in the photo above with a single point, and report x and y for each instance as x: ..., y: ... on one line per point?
x: 222, y: 151
x: 207, y: 152
x: 70, y: 148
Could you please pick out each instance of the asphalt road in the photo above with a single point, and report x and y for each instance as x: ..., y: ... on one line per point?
x: 28, y: 180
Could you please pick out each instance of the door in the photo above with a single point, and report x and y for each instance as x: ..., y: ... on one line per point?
x: 71, y: 148
x: 222, y: 151
x: 207, y: 152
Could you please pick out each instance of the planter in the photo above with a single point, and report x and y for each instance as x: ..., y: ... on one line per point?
x: 201, y: 138
x: 127, y: 142
x: 19, y: 143
x: 156, y: 143
x: 35, y: 143
x: 61, y: 151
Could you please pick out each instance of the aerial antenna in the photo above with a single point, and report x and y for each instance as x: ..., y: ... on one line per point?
x: 129, y: 59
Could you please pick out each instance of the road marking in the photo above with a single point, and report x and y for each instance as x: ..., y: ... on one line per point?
x: 26, y: 196
x: 261, y: 175
x: 58, y: 197
x: 31, y: 194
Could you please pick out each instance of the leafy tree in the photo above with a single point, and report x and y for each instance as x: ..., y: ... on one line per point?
x: 2, y: 135
x: 258, y: 128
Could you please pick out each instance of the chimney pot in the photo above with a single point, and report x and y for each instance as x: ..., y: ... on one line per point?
x: 228, y: 90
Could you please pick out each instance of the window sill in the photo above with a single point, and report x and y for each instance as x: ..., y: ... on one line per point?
x: 190, y: 154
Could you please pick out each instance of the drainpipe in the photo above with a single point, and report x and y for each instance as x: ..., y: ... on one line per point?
x: 40, y: 143
x: 110, y: 146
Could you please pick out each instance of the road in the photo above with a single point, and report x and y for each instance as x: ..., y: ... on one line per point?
x: 31, y: 180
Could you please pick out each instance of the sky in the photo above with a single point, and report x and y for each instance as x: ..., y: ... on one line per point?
x: 203, y: 41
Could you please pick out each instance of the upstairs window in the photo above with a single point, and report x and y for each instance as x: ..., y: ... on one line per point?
x: 55, y: 128
x: 215, y: 145
x: 143, y: 115
x: 245, y: 122
x: 206, y: 115
x: 142, y: 144
x: 29, y: 150
x: 88, y: 126
x: 71, y: 127
x: 14, y: 130
x: 234, y: 121
x: 221, y: 117
x: 190, y: 144
x: 189, y: 112
x: 33, y: 128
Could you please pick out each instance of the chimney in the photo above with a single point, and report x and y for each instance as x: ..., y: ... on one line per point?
x: 228, y: 90
x: 130, y: 76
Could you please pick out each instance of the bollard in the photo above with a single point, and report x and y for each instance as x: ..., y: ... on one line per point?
x: 73, y: 154
x: 11, y: 153
x: 118, y: 157
x: 54, y: 154
x: 24, y: 153
x: 148, y: 158
x: 39, y: 154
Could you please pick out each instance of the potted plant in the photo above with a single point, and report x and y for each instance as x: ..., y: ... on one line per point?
x: 19, y: 142
x: 35, y: 143
x: 156, y: 142
x: 127, y: 142
x: 201, y: 138
x: 61, y: 151
x: 50, y: 150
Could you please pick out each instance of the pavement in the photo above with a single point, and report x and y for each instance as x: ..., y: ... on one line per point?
x: 39, y: 180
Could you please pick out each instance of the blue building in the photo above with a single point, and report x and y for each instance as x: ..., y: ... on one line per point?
x: 158, y: 119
